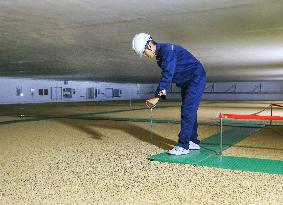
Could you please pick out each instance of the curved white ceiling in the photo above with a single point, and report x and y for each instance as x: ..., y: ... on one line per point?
x: 91, y: 40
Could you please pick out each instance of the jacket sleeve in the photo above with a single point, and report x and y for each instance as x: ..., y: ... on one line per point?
x: 168, y: 68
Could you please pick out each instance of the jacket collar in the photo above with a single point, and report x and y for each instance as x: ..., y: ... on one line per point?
x: 158, y: 47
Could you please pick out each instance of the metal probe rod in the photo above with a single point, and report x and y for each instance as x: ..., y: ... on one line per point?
x: 150, y: 139
x: 151, y: 108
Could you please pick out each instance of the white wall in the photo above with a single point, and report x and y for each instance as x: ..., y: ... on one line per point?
x: 130, y: 91
x: 9, y: 85
x: 226, y: 91
x: 244, y: 91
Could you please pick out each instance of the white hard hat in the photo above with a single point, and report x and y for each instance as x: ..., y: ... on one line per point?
x: 139, y: 42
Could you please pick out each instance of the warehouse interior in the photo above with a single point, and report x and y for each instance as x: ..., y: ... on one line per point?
x: 75, y: 128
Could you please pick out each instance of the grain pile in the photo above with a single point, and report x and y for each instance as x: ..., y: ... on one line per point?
x: 69, y: 161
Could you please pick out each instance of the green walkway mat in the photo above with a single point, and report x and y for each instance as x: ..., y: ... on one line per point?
x: 208, y: 155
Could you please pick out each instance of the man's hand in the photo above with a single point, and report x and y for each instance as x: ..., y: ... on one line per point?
x: 152, y: 102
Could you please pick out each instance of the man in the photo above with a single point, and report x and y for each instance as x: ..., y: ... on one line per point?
x: 181, y: 67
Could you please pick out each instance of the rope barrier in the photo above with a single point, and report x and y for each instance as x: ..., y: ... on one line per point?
x: 269, y: 106
x: 277, y: 105
x: 249, y: 117
x: 254, y: 116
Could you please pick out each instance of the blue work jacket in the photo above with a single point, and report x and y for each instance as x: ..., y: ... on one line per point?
x: 178, y: 66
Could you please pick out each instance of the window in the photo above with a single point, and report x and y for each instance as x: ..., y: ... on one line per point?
x: 45, y: 91
x: 42, y: 91
x: 67, y: 92
x: 116, y: 93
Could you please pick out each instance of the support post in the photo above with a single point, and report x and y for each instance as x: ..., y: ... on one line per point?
x: 221, y: 136
x: 271, y: 114
x: 150, y: 139
x: 130, y: 98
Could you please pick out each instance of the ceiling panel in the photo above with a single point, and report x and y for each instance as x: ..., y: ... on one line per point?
x: 91, y: 40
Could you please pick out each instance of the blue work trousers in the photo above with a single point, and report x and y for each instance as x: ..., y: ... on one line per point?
x: 191, y: 98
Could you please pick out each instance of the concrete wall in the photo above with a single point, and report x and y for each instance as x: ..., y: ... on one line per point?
x: 244, y: 91
x: 226, y: 91
x: 103, y: 91
x: 30, y: 91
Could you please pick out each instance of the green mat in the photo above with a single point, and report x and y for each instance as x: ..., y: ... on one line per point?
x: 208, y: 155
